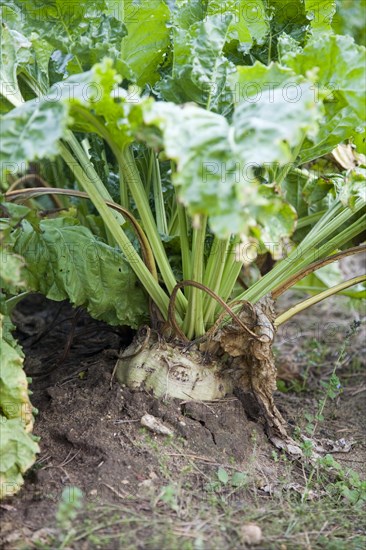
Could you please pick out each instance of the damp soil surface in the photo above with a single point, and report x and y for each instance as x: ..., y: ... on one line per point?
x: 217, y: 482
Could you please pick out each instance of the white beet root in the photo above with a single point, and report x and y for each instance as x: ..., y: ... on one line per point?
x: 168, y: 371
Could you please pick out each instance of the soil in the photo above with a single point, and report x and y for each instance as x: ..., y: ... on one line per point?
x: 91, y: 435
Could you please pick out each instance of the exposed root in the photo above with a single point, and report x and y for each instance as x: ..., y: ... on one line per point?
x: 252, y: 367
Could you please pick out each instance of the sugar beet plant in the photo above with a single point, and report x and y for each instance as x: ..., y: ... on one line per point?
x: 152, y: 149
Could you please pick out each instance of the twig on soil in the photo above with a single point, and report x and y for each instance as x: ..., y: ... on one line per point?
x: 70, y: 459
x: 122, y: 495
x: 64, y: 463
x: 195, y: 457
x: 124, y: 421
x: 203, y: 403
x: 200, y: 459
x: 359, y: 390
x: 43, y: 459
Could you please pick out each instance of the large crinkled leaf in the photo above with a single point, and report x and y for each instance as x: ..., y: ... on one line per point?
x: 102, y: 37
x: 14, y: 398
x: 283, y: 16
x: 340, y: 67
x: 65, y: 261
x: 103, y: 108
x: 97, y: 91
x: 14, y: 50
x: 198, y: 141
x: 249, y: 22
x: 31, y: 132
x: 81, y: 29
x: 267, y: 130
x: 22, y: 52
x: 18, y: 454
x: 214, y: 159
x: 276, y: 219
x: 340, y: 64
x: 105, y: 105
x: 320, y: 13
x: 200, y: 69
x: 10, y: 269
x: 305, y: 192
x: 17, y: 447
x: 145, y: 46
x: 339, y: 123
x: 210, y: 69
x: 252, y: 82
x: 350, y: 19
x: 188, y: 12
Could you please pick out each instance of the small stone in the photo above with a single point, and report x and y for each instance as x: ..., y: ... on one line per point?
x: 147, y: 483
x: 251, y: 534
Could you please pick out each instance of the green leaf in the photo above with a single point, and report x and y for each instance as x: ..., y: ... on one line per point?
x: 10, y: 269
x: 341, y: 68
x: 320, y: 13
x: 326, y: 277
x: 285, y: 17
x: 80, y: 29
x: 188, y: 12
x: 14, y: 49
x: 13, y: 382
x: 97, y: 91
x: 222, y: 475
x: 65, y: 261
x: 200, y: 69
x: 259, y: 80
x: 268, y: 129
x: 18, y: 454
x: 275, y: 218
x: 105, y: 105
x: 207, y: 176
x: 238, y: 479
x: 145, y: 46
x: 340, y: 123
x: 249, y: 22
x: 359, y: 140
x: 350, y: 19
x: 305, y: 192
x: 31, y: 132
x: 17, y: 447
x: 102, y: 37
